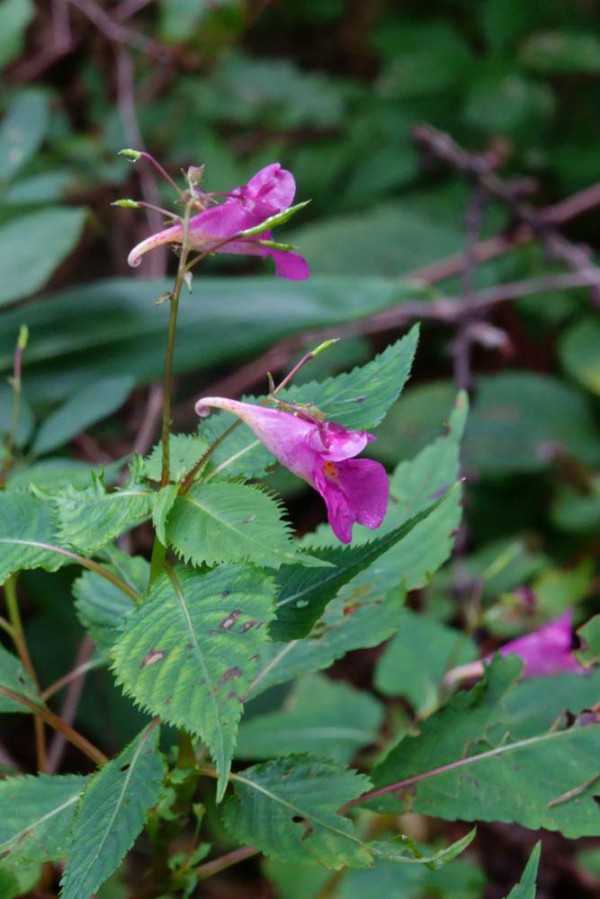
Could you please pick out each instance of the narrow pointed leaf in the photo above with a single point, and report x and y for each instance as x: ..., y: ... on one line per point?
x: 526, y: 887
x: 405, y: 850
x: 111, y: 814
x: 288, y: 810
x: 36, y: 815
x: 189, y: 652
x: 303, y: 593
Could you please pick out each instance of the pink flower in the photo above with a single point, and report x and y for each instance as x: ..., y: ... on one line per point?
x: 320, y: 453
x: 547, y: 650
x: 268, y: 193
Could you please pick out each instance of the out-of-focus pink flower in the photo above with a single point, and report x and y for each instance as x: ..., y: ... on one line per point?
x: 547, y: 650
x: 321, y: 453
x: 268, y: 193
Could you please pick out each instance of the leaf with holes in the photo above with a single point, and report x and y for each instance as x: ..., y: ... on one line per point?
x: 89, y: 519
x: 229, y: 523
x: 485, y: 756
x: 325, y: 718
x: 111, y: 814
x: 189, y: 652
x: 304, y: 593
x: 14, y: 678
x: 36, y: 815
x: 288, y: 810
x: 360, y: 398
x: 28, y: 536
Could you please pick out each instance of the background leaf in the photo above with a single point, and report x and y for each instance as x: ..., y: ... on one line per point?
x: 322, y: 717
x: 15, y: 16
x: 24, y: 125
x: 526, y: 887
x: 25, y: 522
x: 32, y: 246
x: 580, y: 353
x: 189, y: 653
x: 111, y: 814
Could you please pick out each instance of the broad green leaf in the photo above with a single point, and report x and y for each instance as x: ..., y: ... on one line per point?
x: 360, y: 398
x: 580, y: 353
x: 562, y: 52
x: 229, y: 523
x: 288, y: 809
x: 13, y: 677
x: 503, y: 100
x: 25, y: 268
x: 240, y: 454
x: 416, y: 659
x: 405, y: 849
x: 162, y: 503
x: 15, y: 16
x: 27, y: 535
x: 185, y: 450
x: 36, y: 815
x: 111, y: 814
x: 83, y: 409
x: 347, y: 624
x: 22, y: 129
x: 577, y: 511
x: 414, y: 421
x: 484, y: 757
x: 302, y: 594
x: 526, y: 887
x: 113, y: 327
x: 589, y: 634
x: 179, y: 19
x: 521, y: 421
x: 56, y: 474
x: 322, y: 717
x: 89, y: 519
x: 101, y: 606
x: 189, y: 652
x: 391, y: 239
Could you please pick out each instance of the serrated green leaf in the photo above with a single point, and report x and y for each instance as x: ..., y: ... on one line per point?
x: 220, y: 522
x: 84, y: 408
x: 483, y: 757
x: 101, y: 606
x: 36, y: 815
x: 26, y: 530
x: 185, y: 450
x: 288, y: 809
x: 415, y: 660
x: 89, y: 519
x: 13, y: 677
x: 304, y: 593
x: 240, y: 454
x: 189, y: 652
x: 360, y: 398
x: 162, y: 503
x: 526, y: 887
x: 346, y: 625
x: 111, y: 814
x: 322, y: 717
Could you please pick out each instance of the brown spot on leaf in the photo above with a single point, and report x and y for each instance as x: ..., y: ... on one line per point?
x: 247, y: 626
x: 230, y: 620
x: 230, y: 674
x: 154, y: 656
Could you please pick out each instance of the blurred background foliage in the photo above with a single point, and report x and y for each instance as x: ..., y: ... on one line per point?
x: 332, y: 89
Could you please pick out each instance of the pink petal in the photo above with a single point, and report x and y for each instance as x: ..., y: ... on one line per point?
x: 547, y: 650
x: 359, y: 494
x: 290, y: 265
x: 272, y: 186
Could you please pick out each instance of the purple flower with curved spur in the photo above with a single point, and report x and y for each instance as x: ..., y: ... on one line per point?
x: 270, y: 192
x: 546, y: 650
x: 322, y: 454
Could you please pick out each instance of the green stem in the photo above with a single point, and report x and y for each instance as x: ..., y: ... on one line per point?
x: 18, y: 635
